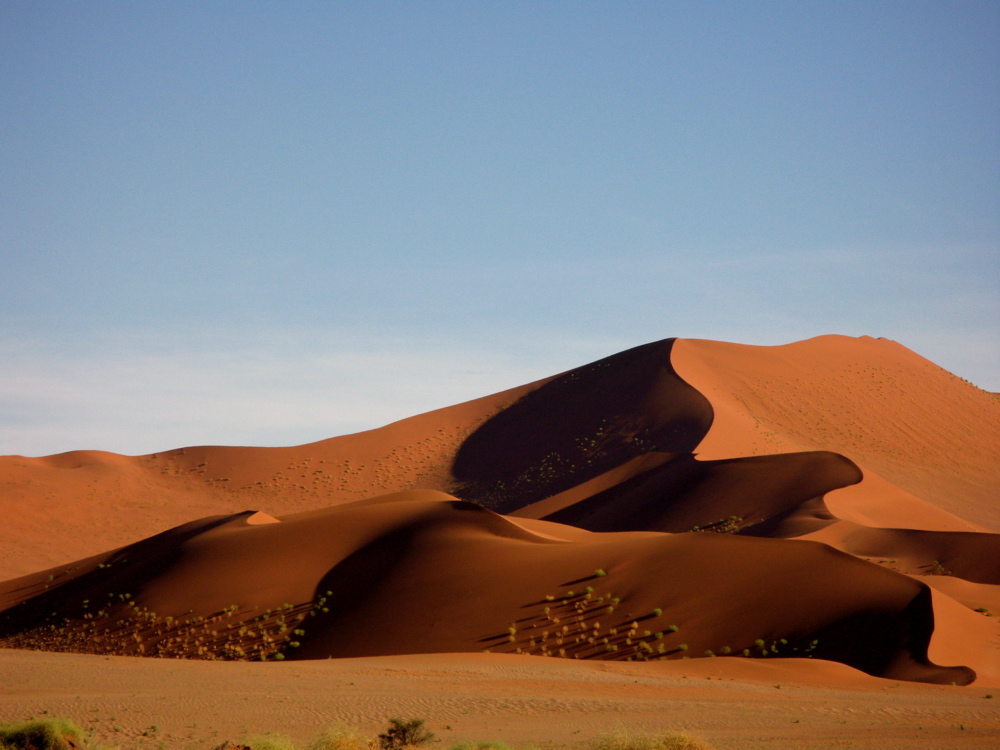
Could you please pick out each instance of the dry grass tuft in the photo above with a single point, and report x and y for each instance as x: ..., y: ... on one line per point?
x: 44, y: 734
x: 343, y: 738
x: 625, y: 740
x: 270, y: 742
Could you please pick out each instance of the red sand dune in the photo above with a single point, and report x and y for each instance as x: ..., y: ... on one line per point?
x: 420, y: 572
x: 788, y: 533
x: 886, y: 408
x: 121, y: 499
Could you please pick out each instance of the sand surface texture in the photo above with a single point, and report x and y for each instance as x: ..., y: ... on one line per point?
x: 658, y: 538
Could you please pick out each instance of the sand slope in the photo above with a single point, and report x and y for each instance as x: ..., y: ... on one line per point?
x: 883, y: 406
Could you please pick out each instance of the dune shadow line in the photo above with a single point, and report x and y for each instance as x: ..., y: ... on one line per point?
x: 579, y: 425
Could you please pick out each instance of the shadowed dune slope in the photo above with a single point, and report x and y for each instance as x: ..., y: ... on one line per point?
x: 686, y: 493
x: 579, y: 425
x: 423, y: 572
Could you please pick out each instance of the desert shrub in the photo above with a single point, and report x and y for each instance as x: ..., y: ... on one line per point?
x: 343, y: 738
x: 270, y: 742
x: 46, y: 734
x: 625, y: 740
x: 402, y: 734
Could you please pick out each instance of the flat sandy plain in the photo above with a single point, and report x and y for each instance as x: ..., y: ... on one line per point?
x: 820, y: 517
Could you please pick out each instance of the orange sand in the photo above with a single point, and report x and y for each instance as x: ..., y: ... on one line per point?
x: 827, y: 482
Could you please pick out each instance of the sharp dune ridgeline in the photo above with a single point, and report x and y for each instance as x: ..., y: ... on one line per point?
x: 832, y: 499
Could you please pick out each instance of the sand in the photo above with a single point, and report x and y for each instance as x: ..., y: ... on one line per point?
x: 540, y: 564
x: 889, y: 410
x: 521, y: 700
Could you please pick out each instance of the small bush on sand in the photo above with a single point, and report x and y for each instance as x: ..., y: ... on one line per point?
x: 343, y: 738
x: 270, y: 742
x: 404, y: 734
x: 47, y: 734
x: 625, y: 740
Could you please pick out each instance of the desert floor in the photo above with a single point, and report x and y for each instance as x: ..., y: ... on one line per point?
x: 521, y: 700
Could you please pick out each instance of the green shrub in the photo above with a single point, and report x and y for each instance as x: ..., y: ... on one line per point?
x: 271, y: 742
x: 402, y: 734
x: 46, y: 734
x: 342, y: 738
x: 625, y: 740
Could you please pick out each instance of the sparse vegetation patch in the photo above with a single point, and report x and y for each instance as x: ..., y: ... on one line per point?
x: 45, y: 734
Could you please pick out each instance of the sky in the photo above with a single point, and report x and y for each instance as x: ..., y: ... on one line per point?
x: 269, y: 223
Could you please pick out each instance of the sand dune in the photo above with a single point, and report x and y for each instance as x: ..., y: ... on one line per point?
x: 421, y: 572
x: 680, y: 499
x: 883, y: 406
x: 122, y: 499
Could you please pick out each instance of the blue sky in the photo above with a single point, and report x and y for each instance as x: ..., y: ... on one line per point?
x: 269, y: 223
